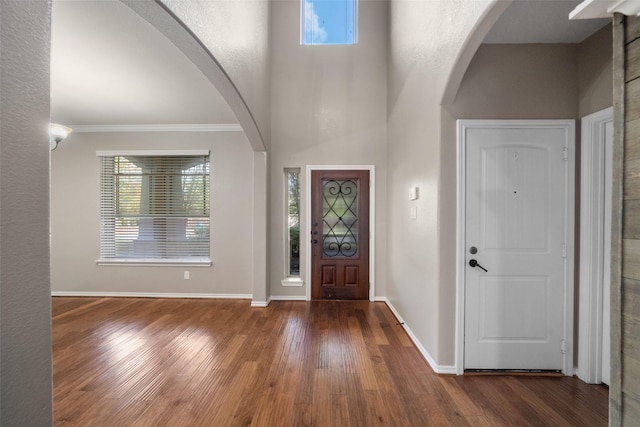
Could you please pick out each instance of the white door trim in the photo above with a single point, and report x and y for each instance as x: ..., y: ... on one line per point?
x: 306, y: 226
x: 569, y: 128
x: 592, y: 250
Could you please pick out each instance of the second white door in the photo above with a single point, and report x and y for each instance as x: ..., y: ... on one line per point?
x: 517, y: 240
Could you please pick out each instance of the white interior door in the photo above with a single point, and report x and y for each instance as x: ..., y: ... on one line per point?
x: 606, y: 280
x: 518, y: 229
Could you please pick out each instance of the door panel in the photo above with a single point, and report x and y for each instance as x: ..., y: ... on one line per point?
x: 515, y: 217
x: 606, y: 291
x: 340, y: 234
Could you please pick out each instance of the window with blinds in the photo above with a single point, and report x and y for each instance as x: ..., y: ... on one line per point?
x: 154, y: 207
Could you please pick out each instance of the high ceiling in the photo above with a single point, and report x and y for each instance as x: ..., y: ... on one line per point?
x: 110, y: 67
x: 542, y: 21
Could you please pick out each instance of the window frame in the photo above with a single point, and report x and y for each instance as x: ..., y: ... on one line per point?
x: 287, y: 228
x: 291, y: 279
x: 162, y: 262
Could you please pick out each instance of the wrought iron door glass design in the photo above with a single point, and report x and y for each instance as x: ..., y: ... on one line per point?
x: 340, y: 218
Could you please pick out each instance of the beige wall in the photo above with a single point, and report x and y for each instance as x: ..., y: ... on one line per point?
x: 237, y: 34
x: 25, y: 303
x: 75, y: 218
x: 595, y: 72
x: 328, y: 107
x: 516, y: 81
x: 426, y: 38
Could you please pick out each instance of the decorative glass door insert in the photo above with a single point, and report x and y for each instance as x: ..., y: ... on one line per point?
x: 340, y: 218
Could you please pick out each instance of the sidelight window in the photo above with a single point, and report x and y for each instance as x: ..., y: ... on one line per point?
x: 292, y: 225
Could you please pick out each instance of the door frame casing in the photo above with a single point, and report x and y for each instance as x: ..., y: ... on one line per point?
x: 306, y: 229
x: 592, y: 252
x: 569, y: 127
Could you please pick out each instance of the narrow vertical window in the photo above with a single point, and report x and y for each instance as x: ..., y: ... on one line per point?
x: 329, y: 21
x: 292, y: 225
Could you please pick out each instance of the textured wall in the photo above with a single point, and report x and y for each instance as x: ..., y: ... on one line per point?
x: 595, y: 72
x: 75, y: 172
x: 519, y: 81
x: 328, y: 107
x: 237, y: 34
x: 25, y: 303
x: 426, y: 37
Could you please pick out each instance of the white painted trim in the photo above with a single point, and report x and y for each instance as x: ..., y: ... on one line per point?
x: 292, y: 281
x: 592, y: 238
x: 288, y: 298
x: 438, y: 369
x: 153, y: 153
x: 146, y: 295
x: 569, y: 127
x: 260, y: 230
x: 230, y: 127
x: 260, y: 304
x: 152, y: 263
x: 306, y: 226
x: 590, y: 9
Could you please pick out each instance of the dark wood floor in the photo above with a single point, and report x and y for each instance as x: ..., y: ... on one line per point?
x: 172, y: 362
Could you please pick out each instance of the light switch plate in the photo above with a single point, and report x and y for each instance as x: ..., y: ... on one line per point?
x: 414, y: 193
x: 414, y: 212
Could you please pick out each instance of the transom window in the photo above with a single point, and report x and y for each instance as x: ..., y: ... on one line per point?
x: 155, y: 207
x: 329, y: 21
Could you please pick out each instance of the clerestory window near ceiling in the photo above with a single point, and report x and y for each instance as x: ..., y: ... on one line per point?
x: 155, y: 207
x: 328, y: 22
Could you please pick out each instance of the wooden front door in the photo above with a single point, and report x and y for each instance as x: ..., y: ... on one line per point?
x: 340, y: 234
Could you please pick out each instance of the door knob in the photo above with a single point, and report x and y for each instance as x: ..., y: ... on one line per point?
x: 474, y: 263
x: 314, y: 241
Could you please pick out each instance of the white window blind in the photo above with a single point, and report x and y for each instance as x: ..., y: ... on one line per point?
x: 155, y: 208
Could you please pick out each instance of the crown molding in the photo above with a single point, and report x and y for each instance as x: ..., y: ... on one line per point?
x: 230, y: 127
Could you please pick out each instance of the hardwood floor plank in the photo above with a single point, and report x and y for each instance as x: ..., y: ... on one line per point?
x: 168, y: 362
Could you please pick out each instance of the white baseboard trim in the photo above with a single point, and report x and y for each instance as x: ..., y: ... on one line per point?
x: 438, y: 369
x: 261, y: 304
x: 147, y: 295
x: 380, y: 299
x: 288, y: 298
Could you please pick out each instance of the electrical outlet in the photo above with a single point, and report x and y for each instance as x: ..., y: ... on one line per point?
x: 186, y: 275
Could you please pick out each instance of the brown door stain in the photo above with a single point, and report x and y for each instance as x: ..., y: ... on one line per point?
x: 340, y: 234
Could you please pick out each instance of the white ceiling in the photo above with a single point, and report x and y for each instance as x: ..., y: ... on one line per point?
x: 110, y: 67
x: 542, y: 21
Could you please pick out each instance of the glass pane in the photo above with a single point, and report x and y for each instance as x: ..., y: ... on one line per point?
x: 293, y: 221
x: 329, y: 21
x: 340, y: 218
x: 156, y: 207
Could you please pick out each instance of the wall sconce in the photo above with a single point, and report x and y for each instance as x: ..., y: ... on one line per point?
x: 57, y: 134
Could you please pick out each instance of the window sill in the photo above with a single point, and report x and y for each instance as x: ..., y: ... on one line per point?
x: 292, y: 281
x: 154, y: 262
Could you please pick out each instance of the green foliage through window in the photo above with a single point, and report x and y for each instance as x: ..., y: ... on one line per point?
x: 293, y: 221
x: 155, y: 207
